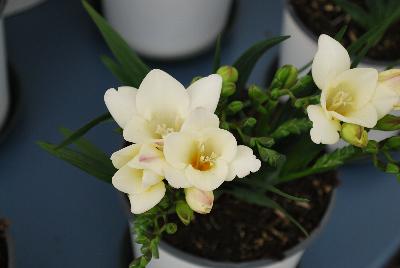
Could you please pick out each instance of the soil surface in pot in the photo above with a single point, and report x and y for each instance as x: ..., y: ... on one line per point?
x: 236, y: 231
x: 324, y: 17
x: 3, y: 244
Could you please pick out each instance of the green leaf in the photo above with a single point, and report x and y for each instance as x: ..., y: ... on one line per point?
x: 217, y: 55
x: 336, y: 158
x: 356, y: 12
x: 117, y: 70
x: 258, y: 198
x: 275, y: 190
x: 388, y: 123
x: 295, y: 126
x: 128, y: 59
x: 246, y: 62
x: 83, y: 130
x: 81, y: 161
x: 272, y: 157
x: 391, y: 144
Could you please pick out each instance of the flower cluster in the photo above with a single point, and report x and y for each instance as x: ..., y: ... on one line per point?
x: 358, y: 97
x: 175, y: 136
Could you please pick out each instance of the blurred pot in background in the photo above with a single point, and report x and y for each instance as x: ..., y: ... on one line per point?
x: 168, y: 28
x: 16, y: 6
x: 4, y: 89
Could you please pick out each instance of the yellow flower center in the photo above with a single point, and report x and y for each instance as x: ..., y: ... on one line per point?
x: 203, y: 160
x: 163, y: 130
x: 340, y: 102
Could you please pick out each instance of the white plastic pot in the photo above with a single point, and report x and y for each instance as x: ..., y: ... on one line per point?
x: 171, y: 257
x: 168, y: 28
x: 16, y: 6
x: 300, y: 49
x: 4, y: 90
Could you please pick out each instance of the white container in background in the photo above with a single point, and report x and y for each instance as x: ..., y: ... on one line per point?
x: 300, y: 49
x: 4, y: 90
x: 16, y: 6
x: 171, y: 257
x: 167, y: 29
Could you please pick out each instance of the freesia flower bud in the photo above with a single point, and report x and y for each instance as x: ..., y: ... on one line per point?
x: 228, y: 89
x: 198, y: 200
x: 228, y: 73
x: 184, y: 212
x: 285, y: 77
x: 256, y: 94
x: 354, y: 134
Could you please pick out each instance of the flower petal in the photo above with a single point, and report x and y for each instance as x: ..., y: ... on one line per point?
x: 205, y: 92
x: 243, y: 163
x: 391, y: 79
x: 138, y: 130
x: 176, y: 177
x: 150, y: 178
x: 149, y: 157
x: 330, y: 60
x: 179, y: 148
x: 221, y: 141
x: 366, y: 116
x: 199, y: 119
x: 128, y: 180
x: 384, y: 100
x: 198, y: 200
x: 121, y: 104
x: 208, y: 180
x: 325, y: 129
x: 123, y: 156
x: 145, y: 201
x: 360, y: 83
x: 161, y: 93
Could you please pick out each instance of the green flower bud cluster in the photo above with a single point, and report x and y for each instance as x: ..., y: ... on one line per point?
x: 229, y: 76
x: 285, y: 77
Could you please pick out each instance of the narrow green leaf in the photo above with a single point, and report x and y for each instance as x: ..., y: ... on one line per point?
x: 358, y: 14
x: 128, y: 59
x: 246, y: 62
x: 388, y: 123
x: 261, y: 199
x: 81, y: 161
x: 294, y: 126
x: 275, y: 190
x: 217, y: 55
x: 117, y: 70
x: 83, y: 130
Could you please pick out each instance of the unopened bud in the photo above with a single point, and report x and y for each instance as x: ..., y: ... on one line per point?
x: 228, y: 73
x: 235, y: 106
x: 198, y: 200
x: 184, y: 212
x: 354, y: 134
x: 257, y: 94
x: 285, y: 77
x: 228, y: 89
x: 250, y: 122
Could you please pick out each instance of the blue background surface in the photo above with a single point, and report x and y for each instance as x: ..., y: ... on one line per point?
x: 64, y: 218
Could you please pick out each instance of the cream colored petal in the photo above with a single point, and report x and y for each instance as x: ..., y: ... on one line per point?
x: 176, y: 177
x: 221, y: 142
x: 360, y: 83
x: 150, y: 178
x: 391, y: 79
x: 123, y: 156
x: 199, y: 119
x: 149, y: 157
x: 384, y: 100
x: 145, y: 201
x: 243, y: 163
x: 205, y: 92
x: 179, y: 148
x: 161, y: 93
x: 138, y: 130
x: 121, y: 104
x: 208, y: 180
x: 365, y: 116
x: 330, y: 60
x: 128, y: 180
x: 325, y: 129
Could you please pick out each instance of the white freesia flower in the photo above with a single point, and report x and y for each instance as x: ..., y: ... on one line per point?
x: 160, y: 105
x: 348, y: 95
x: 139, y: 176
x: 198, y: 200
x: 390, y: 79
x: 205, y: 155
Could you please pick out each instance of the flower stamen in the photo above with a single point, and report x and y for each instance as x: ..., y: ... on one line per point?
x: 203, y: 161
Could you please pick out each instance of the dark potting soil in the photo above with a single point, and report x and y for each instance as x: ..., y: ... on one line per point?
x: 236, y: 231
x: 324, y: 17
x: 3, y: 245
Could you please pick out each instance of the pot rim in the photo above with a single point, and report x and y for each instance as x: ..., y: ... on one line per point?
x: 314, y: 37
x: 256, y: 263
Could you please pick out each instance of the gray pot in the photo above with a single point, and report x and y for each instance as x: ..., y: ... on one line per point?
x: 172, y: 257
